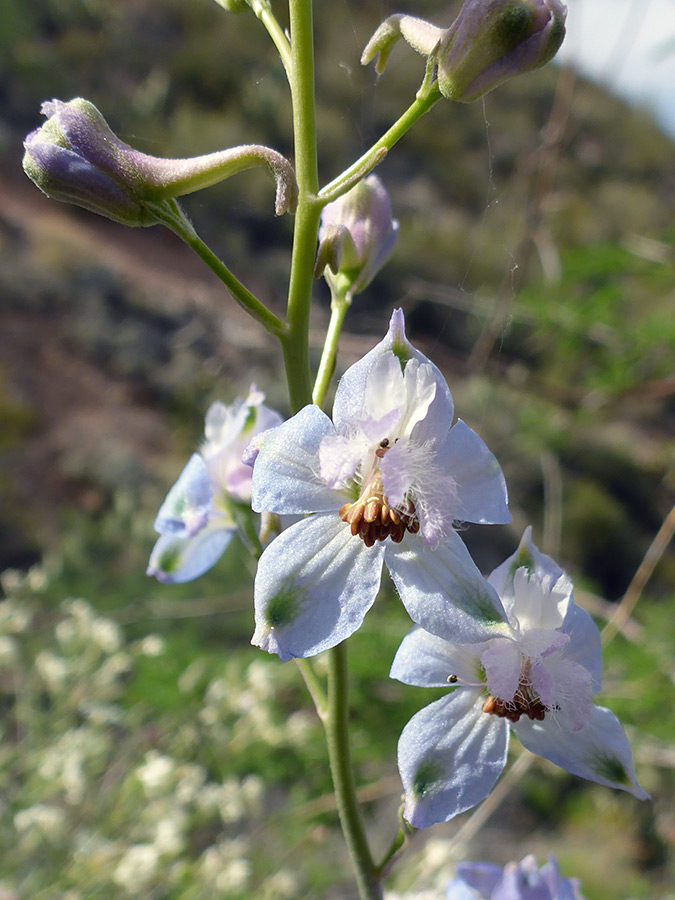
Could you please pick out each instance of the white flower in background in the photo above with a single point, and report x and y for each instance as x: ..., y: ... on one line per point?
x: 538, y: 681
x: 386, y: 481
x: 196, y: 521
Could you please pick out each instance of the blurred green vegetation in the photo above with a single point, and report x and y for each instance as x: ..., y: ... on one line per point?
x: 112, y: 344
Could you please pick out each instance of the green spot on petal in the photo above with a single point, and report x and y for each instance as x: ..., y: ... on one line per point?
x: 426, y: 777
x: 612, y: 769
x: 169, y: 560
x: 283, y: 607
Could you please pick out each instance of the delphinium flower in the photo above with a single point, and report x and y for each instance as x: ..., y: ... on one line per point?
x: 197, y: 520
x: 522, y: 880
x: 384, y: 481
x: 538, y: 681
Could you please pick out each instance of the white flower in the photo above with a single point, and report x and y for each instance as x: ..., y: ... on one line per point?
x: 539, y: 681
x: 196, y: 521
x: 385, y: 480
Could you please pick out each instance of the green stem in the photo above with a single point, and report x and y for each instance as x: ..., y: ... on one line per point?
x: 426, y: 98
x: 263, y: 11
x: 340, y: 303
x: 171, y: 215
x: 314, y: 686
x: 295, y: 342
x: 337, y: 734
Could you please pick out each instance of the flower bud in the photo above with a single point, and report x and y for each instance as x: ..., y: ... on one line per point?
x: 356, y: 237
x: 75, y: 157
x: 489, y: 42
x: 492, y: 40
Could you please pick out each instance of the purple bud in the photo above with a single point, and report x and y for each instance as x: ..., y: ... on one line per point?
x: 356, y: 237
x: 493, y: 40
x: 75, y: 157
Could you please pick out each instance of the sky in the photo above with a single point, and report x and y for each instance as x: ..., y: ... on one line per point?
x: 629, y: 45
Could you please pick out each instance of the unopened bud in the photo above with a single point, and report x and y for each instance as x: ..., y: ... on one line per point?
x: 356, y: 237
x: 493, y: 40
x: 489, y: 42
x: 75, y: 157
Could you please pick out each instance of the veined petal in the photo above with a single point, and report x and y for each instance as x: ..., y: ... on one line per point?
x: 429, y: 661
x: 501, y: 661
x: 177, y: 559
x: 599, y: 751
x: 450, y: 754
x: 527, y: 556
x: 351, y: 390
x: 315, y: 583
x: 538, y: 602
x: 565, y: 687
x: 443, y: 590
x: 584, y: 646
x: 481, y: 488
x: 186, y: 508
x: 286, y: 475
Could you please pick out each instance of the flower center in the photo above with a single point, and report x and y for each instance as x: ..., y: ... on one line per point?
x: 371, y: 516
x: 525, y: 700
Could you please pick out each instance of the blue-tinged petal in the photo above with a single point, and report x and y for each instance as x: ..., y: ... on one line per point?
x: 450, y: 754
x: 527, y: 556
x: 177, y: 559
x: 443, y: 590
x: 481, y: 488
x: 314, y: 585
x: 584, y: 646
x: 482, y: 877
x: 429, y: 661
x: 599, y: 751
x: 351, y: 390
x: 186, y: 508
x: 286, y: 475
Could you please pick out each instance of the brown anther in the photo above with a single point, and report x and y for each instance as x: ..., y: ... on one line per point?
x: 372, y: 509
x: 524, y: 703
x: 372, y: 518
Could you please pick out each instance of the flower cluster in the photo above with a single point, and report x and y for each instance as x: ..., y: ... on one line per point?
x: 386, y: 482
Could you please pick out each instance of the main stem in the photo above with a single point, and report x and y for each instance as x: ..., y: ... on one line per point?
x: 337, y: 735
x: 295, y: 342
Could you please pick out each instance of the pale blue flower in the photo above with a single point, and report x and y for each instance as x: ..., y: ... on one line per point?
x: 516, y: 881
x: 538, y: 680
x: 385, y: 481
x: 196, y: 521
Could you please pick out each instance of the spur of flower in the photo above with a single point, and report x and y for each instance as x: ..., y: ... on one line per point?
x: 538, y: 681
x: 522, y: 880
x: 383, y: 482
x: 198, y: 518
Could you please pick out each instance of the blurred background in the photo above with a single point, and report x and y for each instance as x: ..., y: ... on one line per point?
x: 147, y: 750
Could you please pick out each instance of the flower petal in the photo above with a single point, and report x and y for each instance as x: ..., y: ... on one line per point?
x: 286, y: 473
x: 186, y: 508
x: 351, y: 390
x: 527, y: 556
x: 481, y: 488
x: 176, y: 559
x: 315, y: 583
x: 584, y: 646
x: 443, y: 590
x: 599, y: 751
x: 450, y: 754
x: 428, y: 661
x: 482, y: 877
